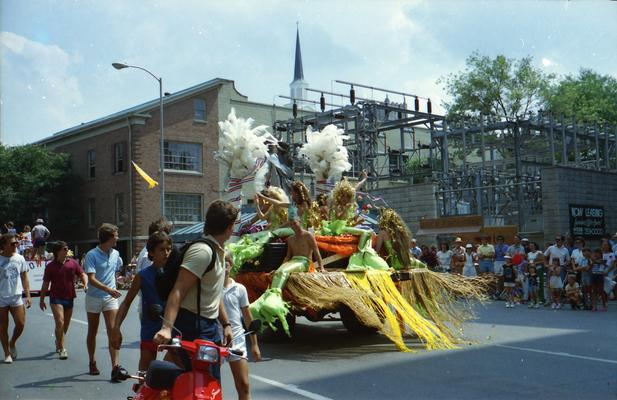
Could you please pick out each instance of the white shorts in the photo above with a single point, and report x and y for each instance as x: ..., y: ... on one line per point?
x: 97, y: 305
x: 498, y: 267
x: 241, y: 347
x: 11, y: 301
x: 555, y: 283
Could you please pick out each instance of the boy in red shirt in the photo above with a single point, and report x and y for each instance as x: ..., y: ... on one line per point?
x: 61, y: 274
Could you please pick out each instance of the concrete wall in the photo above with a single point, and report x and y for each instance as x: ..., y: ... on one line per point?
x: 412, y: 203
x: 562, y: 186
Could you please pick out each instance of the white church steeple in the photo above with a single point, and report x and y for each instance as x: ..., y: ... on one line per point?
x: 298, y: 86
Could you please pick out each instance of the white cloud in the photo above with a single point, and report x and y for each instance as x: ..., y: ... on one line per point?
x: 397, y: 44
x: 40, y: 80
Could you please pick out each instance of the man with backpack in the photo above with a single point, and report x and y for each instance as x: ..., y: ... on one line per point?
x: 194, y: 302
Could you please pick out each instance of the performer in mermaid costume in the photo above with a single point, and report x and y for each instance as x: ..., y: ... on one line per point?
x: 268, y: 206
x: 305, y: 207
x: 343, y: 219
x: 301, y: 248
x: 395, y: 239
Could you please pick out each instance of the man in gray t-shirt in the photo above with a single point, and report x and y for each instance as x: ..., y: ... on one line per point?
x: 40, y: 233
x: 516, y: 248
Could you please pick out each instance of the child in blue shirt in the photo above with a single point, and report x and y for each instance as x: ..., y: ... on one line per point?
x: 159, y: 247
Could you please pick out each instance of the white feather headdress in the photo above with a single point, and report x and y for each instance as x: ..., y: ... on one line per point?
x: 240, y: 145
x: 325, y: 152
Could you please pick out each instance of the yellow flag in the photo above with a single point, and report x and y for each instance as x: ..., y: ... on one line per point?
x: 151, y: 182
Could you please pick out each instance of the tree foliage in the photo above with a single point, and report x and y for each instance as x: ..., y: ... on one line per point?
x: 31, y: 176
x: 589, y: 97
x: 497, y: 86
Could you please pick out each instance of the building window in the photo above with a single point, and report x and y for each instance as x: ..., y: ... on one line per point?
x: 91, y: 164
x: 119, y: 208
x: 91, y: 213
x: 397, y: 162
x: 199, y: 110
x: 119, y: 157
x: 183, y: 207
x: 183, y: 156
x: 354, y: 160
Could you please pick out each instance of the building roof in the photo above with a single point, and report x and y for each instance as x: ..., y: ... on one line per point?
x: 136, y: 110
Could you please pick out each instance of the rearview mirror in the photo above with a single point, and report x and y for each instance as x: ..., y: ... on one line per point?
x: 254, y: 326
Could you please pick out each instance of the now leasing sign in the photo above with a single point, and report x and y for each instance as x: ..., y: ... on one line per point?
x: 587, y: 221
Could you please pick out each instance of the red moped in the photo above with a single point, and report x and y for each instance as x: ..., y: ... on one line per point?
x: 165, y: 380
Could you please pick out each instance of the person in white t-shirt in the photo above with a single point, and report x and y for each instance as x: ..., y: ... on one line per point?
x: 560, y: 253
x: 577, y: 252
x: 13, y: 281
x: 470, y: 260
x: 26, y: 240
x: 237, y: 307
x: 610, y: 260
x: 444, y: 256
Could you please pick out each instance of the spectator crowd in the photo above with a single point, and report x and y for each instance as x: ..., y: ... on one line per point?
x: 563, y: 272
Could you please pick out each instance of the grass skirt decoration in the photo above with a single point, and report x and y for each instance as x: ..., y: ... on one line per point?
x: 430, y: 304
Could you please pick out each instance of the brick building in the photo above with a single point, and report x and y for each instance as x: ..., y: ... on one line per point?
x: 111, y: 190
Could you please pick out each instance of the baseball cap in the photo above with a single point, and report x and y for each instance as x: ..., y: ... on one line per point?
x: 39, y: 221
x: 468, y: 246
x: 458, y: 239
x: 507, y: 257
x: 524, y: 240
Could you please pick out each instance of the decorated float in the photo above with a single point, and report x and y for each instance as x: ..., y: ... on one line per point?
x: 370, y: 278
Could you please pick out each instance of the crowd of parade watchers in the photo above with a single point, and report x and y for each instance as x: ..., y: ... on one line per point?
x: 563, y: 272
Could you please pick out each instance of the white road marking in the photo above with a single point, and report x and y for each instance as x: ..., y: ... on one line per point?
x: 72, y: 319
x: 291, y: 388
x: 556, y: 353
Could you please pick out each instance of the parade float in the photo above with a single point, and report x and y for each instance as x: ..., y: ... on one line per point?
x: 371, y: 280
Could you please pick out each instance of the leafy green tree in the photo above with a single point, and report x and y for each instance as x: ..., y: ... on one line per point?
x: 497, y: 86
x: 31, y: 178
x: 589, y: 97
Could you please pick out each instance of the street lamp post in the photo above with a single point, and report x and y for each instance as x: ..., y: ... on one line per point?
x: 162, y: 151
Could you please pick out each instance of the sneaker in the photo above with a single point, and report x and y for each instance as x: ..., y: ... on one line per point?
x: 93, y: 369
x: 8, y: 360
x: 530, y: 305
x: 13, y: 352
x: 537, y: 305
x: 63, y: 354
x: 553, y: 306
x: 507, y: 304
x: 117, y: 373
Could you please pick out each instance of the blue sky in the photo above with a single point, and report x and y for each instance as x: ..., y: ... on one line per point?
x: 56, y: 55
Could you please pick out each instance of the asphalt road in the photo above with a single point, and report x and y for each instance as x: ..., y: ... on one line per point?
x: 510, y: 354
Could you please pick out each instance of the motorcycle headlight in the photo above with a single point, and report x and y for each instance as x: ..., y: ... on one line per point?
x: 208, y: 354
